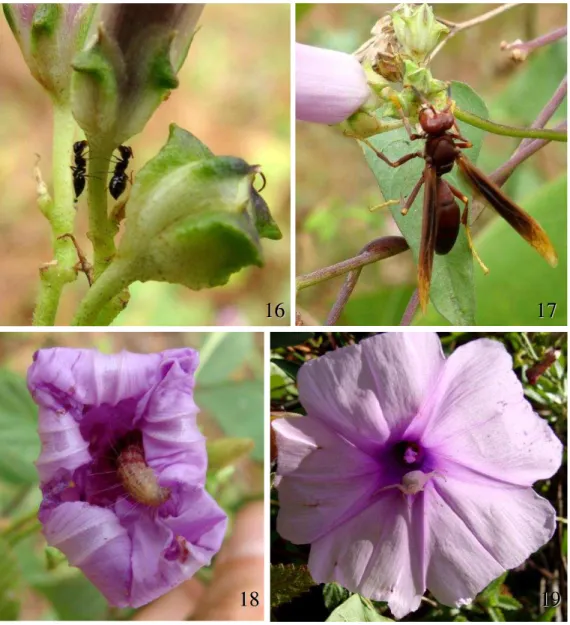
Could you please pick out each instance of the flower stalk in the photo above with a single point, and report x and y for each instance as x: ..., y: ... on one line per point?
x: 61, y: 216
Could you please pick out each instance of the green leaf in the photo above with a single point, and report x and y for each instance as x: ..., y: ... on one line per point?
x: 225, y: 451
x: 289, y: 581
x: 549, y: 615
x: 495, y: 614
x: 9, y: 583
x: 75, y: 599
x: 289, y: 339
x: 491, y: 593
x: 385, y: 306
x: 334, y: 595
x: 508, y: 603
x: 452, y: 291
x: 238, y: 408
x: 356, y: 610
x: 519, y: 279
x: 19, y: 442
x: 290, y: 369
x: 221, y: 354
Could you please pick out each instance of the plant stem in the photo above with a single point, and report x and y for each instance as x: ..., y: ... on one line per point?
x: 104, y: 300
x: 455, y: 28
x: 528, y: 46
x: 510, y: 131
x: 411, y: 309
x: 378, y: 249
x: 102, y: 230
x: 61, y: 215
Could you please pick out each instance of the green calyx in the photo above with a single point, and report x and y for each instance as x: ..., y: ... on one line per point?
x: 194, y: 218
x: 417, y: 30
x: 117, y: 85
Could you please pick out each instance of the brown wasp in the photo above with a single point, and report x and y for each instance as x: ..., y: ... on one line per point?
x: 441, y: 215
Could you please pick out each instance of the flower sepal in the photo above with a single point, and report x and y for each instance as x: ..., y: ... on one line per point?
x: 124, y: 74
x: 194, y: 218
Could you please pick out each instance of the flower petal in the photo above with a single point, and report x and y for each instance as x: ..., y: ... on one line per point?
x: 478, y: 418
x: 91, y: 378
x: 167, y: 418
x: 370, y: 391
x: 376, y: 554
x: 63, y: 447
x: 316, y: 491
x: 158, y: 566
x: 330, y: 85
x: 94, y: 541
x: 474, y: 533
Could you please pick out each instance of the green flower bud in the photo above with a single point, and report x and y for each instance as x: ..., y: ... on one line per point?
x: 417, y: 30
x: 129, y: 67
x: 422, y: 79
x: 194, y: 218
x: 49, y: 35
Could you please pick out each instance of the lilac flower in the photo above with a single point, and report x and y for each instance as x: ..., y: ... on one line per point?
x: 411, y: 471
x: 122, y: 469
x: 330, y: 85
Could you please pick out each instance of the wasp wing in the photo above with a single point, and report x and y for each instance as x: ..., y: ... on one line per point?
x: 429, y: 232
x: 529, y: 229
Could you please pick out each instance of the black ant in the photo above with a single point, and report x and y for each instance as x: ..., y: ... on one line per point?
x: 118, y: 182
x: 80, y: 168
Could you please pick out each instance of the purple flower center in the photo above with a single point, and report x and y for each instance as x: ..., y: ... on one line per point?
x: 410, y: 453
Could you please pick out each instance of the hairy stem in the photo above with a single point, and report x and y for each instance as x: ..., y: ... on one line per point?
x: 61, y: 214
x: 510, y: 131
x: 105, y: 299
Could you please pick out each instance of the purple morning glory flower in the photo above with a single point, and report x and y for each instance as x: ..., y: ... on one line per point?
x: 330, y: 85
x: 122, y: 469
x: 412, y: 471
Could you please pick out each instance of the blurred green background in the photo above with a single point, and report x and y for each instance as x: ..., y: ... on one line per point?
x: 229, y: 392
x: 234, y: 96
x: 335, y: 187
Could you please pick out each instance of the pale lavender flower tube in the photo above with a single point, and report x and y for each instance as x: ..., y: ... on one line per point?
x: 330, y: 85
x: 122, y: 469
x: 434, y: 489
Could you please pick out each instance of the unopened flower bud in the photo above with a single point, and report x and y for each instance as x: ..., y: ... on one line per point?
x: 330, y: 85
x: 49, y: 35
x: 417, y: 30
x: 194, y: 218
x: 129, y: 67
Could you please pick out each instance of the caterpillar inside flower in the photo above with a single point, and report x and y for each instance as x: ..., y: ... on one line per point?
x: 136, y: 477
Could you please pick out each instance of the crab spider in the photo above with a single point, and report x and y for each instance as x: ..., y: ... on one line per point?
x: 413, y: 482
